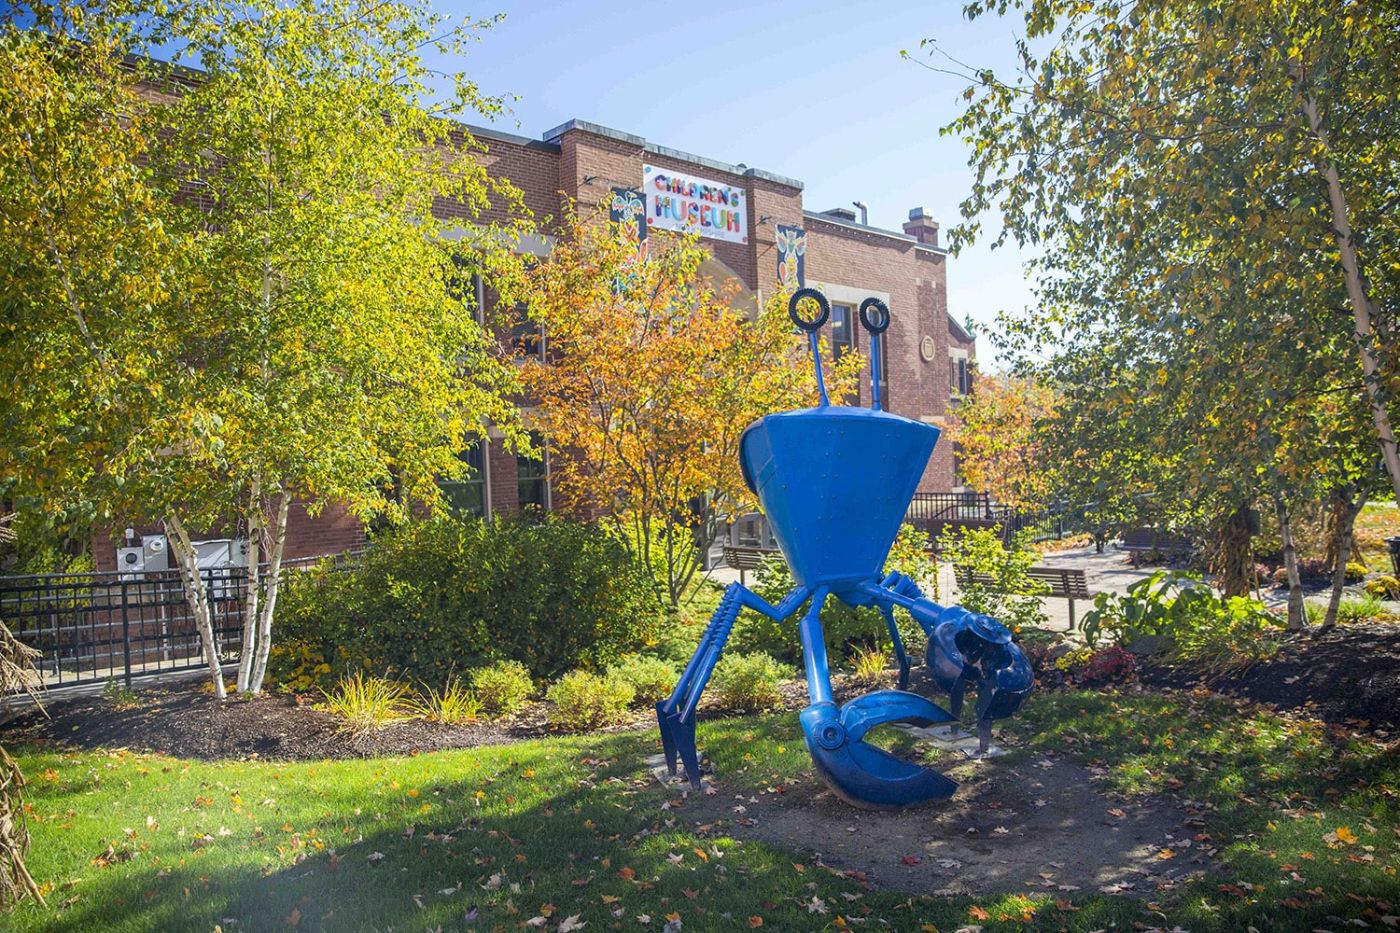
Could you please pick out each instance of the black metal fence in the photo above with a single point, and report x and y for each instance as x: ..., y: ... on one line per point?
x: 95, y: 627
x: 935, y: 511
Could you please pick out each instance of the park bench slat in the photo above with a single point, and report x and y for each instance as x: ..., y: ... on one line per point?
x: 744, y: 559
x: 1065, y: 583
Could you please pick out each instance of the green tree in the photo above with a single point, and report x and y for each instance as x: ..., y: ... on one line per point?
x: 1260, y: 132
x: 307, y: 333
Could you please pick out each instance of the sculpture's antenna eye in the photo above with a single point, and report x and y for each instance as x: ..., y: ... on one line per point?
x: 811, y: 296
x: 875, y: 317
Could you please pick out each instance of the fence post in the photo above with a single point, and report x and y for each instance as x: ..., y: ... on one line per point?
x: 126, y: 636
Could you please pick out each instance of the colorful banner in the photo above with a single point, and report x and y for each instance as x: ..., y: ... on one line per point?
x: 792, y: 250
x: 678, y: 201
x: 628, y: 209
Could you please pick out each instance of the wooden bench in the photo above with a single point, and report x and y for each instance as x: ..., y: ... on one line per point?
x: 1139, y: 541
x: 1063, y: 582
x: 744, y: 559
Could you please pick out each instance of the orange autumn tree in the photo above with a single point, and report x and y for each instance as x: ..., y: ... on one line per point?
x: 995, y: 429
x: 651, y: 377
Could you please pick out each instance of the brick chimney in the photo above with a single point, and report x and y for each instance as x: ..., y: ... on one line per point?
x: 922, y: 227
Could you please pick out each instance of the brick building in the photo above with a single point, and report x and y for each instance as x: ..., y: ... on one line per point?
x: 740, y: 211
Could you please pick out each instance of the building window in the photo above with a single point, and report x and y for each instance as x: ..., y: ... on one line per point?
x: 533, y: 477
x: 959, y: 374
x: 526, y: 336
x: 843, y: 331
x: 467, y: 496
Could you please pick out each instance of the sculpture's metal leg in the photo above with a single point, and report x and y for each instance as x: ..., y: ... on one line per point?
x: 899, y: 655
x: 984, y: 735
x: 955, y: 698
x: 675, y: 716
x: 860, y: 773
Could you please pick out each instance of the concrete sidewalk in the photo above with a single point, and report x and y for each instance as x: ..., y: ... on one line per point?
x: 1107, y: 572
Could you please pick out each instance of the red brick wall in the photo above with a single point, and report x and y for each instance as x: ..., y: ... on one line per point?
x: 916, y: 281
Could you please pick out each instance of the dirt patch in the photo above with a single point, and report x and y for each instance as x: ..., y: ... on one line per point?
x: 1018, y: 824
x: 1348, y: 675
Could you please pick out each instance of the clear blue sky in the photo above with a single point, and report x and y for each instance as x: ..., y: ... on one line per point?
x: 816, y: 91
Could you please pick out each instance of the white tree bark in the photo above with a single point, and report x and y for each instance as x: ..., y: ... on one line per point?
x: 274, y: 580
x: 198, y: 597
x: 1352, y: 502
x: 1297, y: 611
x: 1363, y: 310
x: 254, y: 588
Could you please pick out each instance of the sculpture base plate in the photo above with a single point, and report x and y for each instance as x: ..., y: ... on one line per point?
x: 952, y: 738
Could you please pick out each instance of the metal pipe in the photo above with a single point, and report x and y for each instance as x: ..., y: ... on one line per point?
x: 814, y: 650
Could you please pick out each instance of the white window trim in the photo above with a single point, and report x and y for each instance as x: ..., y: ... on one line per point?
x: 955, y: 354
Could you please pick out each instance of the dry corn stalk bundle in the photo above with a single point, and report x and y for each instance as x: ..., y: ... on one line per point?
x: 17, y: 673
x: 15, y: 880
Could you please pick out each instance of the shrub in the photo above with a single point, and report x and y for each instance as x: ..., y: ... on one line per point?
x: 366, y: 704
x: 1012, y: 597
x: 1383, y: 587
x: 1350, y: 611
x: 1073, y: 661
x: 437, y: 595
x: 846, y: 628
x: 651, y: 679
x: 587, y: 701
x: 503, y: 687
x: 1107, y: 666
x: 749, y: 682
x: 452, y: 705
x: 1356, y: 571
x: 1198, y: 625
x: 868, y: 662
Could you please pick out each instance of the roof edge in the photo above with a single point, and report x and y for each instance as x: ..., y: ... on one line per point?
x: 607, y: 132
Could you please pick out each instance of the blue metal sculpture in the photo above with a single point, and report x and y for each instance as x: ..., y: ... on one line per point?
x: 835, y: 483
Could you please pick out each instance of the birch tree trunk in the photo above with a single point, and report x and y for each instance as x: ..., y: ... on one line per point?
x: 274, y: 580
x: 1351, y: 503
x: 254, y: 589
x: 1297, y: 611
x: 1358, y: 290
x: 198, y: 597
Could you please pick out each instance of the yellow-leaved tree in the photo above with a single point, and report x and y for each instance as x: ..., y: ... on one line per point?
x: 654, y: 370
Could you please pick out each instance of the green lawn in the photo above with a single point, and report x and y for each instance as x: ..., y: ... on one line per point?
x: 1305, y: 820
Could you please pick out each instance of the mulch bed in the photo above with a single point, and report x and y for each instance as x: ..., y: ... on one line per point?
x: 1348, y: 675
x: 186, y: 721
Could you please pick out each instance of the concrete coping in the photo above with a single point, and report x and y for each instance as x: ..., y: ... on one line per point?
x: 874, y: 231
x: 552, y: 136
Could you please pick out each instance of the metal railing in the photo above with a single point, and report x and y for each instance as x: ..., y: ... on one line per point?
x: 953, y: 507
x: 95, y: 627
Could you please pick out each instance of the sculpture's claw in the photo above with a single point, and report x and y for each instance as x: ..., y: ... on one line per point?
x: 861, y: 774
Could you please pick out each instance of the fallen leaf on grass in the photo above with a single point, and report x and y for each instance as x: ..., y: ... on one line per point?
x: 816, y: 905
x: 909, y: 860
x: 572, y: 923
x: 1166, y: 854
x: 977, y: 913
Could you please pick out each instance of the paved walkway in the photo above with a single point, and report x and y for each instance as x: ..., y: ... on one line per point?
x: 1106, y: 572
